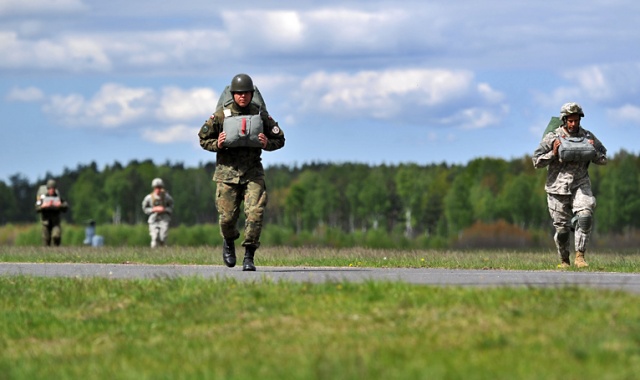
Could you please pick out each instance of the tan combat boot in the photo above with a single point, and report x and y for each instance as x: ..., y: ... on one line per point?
x: 564, y: 263
x: 580, y: 263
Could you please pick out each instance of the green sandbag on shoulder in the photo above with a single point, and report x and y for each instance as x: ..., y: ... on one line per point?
x: 226, y: 98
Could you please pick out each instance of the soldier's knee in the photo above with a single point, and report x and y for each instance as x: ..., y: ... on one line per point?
x: 585, y: 220
x: 562, y: 235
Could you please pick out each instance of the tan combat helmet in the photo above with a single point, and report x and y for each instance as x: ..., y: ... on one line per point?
x: 51, y: 184
x: 570, y: 108
x: 157, y: 182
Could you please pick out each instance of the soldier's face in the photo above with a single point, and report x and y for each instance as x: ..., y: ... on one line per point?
x: 573, y: 123
x: 157, y: 189
x: 51, y: 191
x: 242, y: 98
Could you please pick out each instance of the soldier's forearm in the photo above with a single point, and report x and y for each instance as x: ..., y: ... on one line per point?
x: 274, y: 144
x: 210, y: 145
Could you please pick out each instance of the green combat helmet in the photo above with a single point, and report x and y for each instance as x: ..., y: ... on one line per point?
x: 240, y: 83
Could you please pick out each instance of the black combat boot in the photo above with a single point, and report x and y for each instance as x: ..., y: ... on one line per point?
x: 247, y: 263
x: 229, y: 253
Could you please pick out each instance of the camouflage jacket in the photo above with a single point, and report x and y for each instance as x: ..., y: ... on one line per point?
x: 565, y: 177
x: 239, y: 165
x: 152, y: 200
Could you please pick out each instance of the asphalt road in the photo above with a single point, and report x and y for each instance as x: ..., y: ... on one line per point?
x: 439, y: 277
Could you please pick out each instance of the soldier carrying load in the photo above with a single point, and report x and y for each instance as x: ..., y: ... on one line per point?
x: 50, y: 205
x: 238, y: 131
x: 567, y: 151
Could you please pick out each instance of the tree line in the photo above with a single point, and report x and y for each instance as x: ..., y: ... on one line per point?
x: 415, y: 200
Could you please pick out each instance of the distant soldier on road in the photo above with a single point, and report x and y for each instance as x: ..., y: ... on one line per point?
x: 567, y: 151
x: 159, y: 206
x: 50, y: 205
x: 238, y: 132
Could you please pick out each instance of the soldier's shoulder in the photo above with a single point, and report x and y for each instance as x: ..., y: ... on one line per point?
x: 255, y: 109
x: 217, y: 116
x: 587, y: 132
x: 552, y: 135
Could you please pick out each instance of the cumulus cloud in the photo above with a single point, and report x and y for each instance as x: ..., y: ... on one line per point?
x: 625, y: 113
x: 427, y: 97
x: 67, y: 53
x: 31, y: 7
x: 113, y: 106
x: 26, y: 94
x: 494, y: 35
x: 434, y: 96
x: 276, y: 28
x: 178, y: 104
x: 277, y: 35
x: 611, y: 83
x: 171, y: 134
x: 610, y: 86
x: 116, y: 106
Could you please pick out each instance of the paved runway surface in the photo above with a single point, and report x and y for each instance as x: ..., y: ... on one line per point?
x: 443, y: 277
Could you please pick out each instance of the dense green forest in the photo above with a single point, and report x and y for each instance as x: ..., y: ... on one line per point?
x: 437, y: 200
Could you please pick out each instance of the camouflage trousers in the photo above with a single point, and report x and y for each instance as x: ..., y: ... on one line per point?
x: 159, y: 231
x: 564, y: 211
x: 51, y: 232
x: 229, y: 197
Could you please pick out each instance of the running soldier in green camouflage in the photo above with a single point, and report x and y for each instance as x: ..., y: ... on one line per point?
x: 49, y: 204
x: 238, y: 132
x: 567, y: 151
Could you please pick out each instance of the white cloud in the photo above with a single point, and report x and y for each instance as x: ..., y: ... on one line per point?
x: 435, y: 96
x: 601, y: 84
x: 452, y: 34
x: 493, y: 35
x: 277, y: 28
x: 627, y: 113
x: 172, y: 134
x: 352, y: 31
x: 115, y: 105
x: 275, y: 35
x: 112, y: 106
x: 26, y: 94
x: 8, y: 7
x: 68, y: 53
x: 178, y: 104
x: 591, y: 82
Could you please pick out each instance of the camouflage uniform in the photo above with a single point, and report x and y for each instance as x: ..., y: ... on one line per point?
x: 239, y: 174
x: 50, y: 216
x: 158, y: 222
x: 569, y: 198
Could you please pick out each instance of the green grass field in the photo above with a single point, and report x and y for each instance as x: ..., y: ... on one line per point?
x: 199, y: 328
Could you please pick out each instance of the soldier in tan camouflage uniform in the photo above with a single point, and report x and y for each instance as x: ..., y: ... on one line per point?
x: 49, y: 204
x: 159, y: 206
x: 239, y: 173
x: 569, y: 197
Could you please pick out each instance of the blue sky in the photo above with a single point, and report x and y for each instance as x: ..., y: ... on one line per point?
x: 360, y: 81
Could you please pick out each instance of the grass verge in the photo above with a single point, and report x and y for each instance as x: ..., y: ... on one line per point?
x: 618, y: 261
x: 197, y: 328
